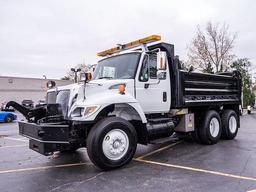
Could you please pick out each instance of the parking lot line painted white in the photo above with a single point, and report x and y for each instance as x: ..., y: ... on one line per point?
x: 159, y: 150
x: 15, y: 139
x: 12, y: 146
x: 141, y: 159
x: 196, y: 169
x: 254, y: 190
x: 43, y: 168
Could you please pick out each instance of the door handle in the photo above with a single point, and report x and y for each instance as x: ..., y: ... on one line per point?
x: 164, y: 96
x: 146, y: 85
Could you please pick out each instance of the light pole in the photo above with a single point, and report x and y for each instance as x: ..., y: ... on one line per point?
x: 75, y: 71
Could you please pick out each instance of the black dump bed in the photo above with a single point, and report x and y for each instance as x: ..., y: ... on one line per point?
x: 199, y: 89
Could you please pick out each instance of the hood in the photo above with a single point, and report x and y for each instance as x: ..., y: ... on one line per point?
x: 104, y: 85
x: 95, y: 91
x: 100, y: 86
x: 99, y: 94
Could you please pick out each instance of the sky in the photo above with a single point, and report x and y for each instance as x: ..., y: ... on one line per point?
x: 48, y: 37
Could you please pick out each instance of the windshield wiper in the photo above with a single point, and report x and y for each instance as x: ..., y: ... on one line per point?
x: 106, y: 78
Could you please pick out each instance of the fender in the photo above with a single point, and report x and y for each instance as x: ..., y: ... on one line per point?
x: 104, y: 100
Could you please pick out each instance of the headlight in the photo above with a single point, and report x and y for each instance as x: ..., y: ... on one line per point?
x: 77, y: 112
x: 90, y: 110
x: 84, y: 112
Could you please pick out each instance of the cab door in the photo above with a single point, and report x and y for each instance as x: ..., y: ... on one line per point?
x: 153, y: 90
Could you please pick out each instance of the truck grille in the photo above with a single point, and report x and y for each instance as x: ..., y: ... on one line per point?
x: 60, y: 97
x: 51, y: 97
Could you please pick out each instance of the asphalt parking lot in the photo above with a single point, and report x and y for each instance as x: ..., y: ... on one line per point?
x: 178, y: 167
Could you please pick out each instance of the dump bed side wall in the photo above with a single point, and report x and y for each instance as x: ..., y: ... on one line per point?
x: 198, y: 89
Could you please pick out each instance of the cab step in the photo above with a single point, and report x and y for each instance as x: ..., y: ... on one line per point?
x: 159, y: 120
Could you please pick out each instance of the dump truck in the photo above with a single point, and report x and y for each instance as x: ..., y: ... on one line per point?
x: 138, y: 94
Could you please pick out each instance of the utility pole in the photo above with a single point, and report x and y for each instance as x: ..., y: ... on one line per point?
x: 75, y: 71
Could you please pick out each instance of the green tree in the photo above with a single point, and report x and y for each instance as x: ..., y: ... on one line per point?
x: 243, y: 65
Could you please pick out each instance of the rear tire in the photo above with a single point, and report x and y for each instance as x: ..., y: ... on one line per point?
x: 112, y: 143
x: 230, y: 124
x: 8, y: 119
x: 210, y: 131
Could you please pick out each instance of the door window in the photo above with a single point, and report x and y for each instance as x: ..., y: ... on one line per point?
x: 149, y: 67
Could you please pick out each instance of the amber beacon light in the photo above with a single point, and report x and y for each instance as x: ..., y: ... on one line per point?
x: 129, y: 45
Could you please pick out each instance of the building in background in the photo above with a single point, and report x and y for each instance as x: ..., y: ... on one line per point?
x: 20, y: 88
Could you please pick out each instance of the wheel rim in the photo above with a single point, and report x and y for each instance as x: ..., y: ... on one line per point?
x: 214, y: 127
x: 8, y: 119
x: 115, y: 144
x: 232, y: 124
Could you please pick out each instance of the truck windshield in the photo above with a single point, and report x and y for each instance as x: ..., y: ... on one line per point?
x: 117, y: 67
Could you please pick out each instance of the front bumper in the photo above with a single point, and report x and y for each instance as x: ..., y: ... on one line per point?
x: 45, y: 138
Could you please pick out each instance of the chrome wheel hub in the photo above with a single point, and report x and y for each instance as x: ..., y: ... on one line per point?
x: 232, y: 124
x: 115, y: 144
x: 214, y: 127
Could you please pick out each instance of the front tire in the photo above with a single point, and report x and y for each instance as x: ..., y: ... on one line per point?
x: 112, y: 143
x: 230, y: 124
x: 210, y: 131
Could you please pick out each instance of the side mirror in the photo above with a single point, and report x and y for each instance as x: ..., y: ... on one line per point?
x: 161, y: 60
x: 86, y: 76
x: 161, y: 75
